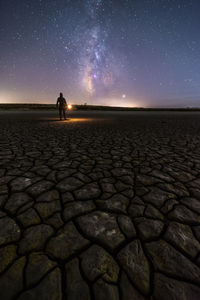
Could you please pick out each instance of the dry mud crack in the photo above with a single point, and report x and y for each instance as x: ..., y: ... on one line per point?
x: 102, y: 206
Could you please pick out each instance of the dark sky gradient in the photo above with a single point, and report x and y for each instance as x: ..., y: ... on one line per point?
x: 122, y: 52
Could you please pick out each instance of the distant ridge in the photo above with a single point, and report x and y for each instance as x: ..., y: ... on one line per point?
x: 33, y: 106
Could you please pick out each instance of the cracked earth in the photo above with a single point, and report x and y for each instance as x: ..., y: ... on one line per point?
x: 101, y: 206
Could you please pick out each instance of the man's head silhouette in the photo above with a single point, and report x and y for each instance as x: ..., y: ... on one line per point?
x: 61, y: 95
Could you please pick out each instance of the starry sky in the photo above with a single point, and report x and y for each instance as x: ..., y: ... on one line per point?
x: 143, y: 53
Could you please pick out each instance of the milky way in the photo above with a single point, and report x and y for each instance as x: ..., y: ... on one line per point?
x: 122, y: 52
x: 97, y: 72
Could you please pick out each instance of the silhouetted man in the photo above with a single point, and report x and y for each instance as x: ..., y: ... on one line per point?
x: 61, y: 105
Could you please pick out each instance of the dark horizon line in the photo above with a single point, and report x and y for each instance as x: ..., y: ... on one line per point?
x: 95, y: 107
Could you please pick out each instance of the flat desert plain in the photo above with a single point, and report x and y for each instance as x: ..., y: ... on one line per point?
x: 104, y: 205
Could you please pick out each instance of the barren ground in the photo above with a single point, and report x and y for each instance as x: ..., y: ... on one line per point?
x: 105, y: 205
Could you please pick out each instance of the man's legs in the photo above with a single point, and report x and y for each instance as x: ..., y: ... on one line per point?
x: 60, y: 113
x: 64, y: 113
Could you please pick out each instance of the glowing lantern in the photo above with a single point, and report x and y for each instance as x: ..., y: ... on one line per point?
x: 69, y: 106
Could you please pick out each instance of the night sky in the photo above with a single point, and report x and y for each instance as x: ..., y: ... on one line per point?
x: 123, y: 52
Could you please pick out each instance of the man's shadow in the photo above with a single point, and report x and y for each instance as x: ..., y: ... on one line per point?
x: 54, y: 120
